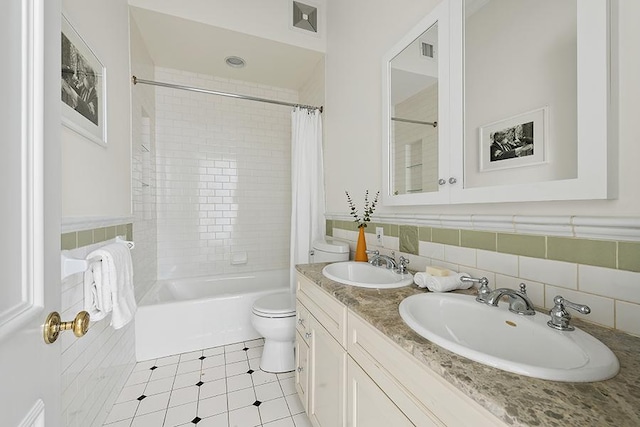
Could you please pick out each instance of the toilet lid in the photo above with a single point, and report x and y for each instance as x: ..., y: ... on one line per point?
x: 279, y: 304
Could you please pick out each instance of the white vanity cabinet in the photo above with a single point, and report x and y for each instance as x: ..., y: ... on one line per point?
x: 349, y: 374
x: 321, y: 355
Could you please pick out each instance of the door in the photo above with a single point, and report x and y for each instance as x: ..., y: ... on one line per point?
x: 368, y: 406
x: 29, y: 210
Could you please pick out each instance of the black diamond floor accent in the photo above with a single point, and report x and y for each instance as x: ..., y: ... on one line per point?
x: 257, y: 403
x: 246, y: 348
x: 250, y: 371
x: 141, y: 398
x: 199, y: 383
x: 196, y: 420
x: 202, y: 357
x: 153, y: 367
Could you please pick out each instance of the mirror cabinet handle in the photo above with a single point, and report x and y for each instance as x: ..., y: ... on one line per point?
x: 441, y: 181
x: 452, y: 180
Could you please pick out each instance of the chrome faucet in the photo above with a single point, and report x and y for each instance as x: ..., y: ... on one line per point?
x: 389, y: 262
x: 560, y: 317
x: 483, y: 290
x: 519, y: 302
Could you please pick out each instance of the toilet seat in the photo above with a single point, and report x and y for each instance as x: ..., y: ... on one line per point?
x: 276, y: 305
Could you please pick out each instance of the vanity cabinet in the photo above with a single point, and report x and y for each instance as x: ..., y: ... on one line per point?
x: 351, y: 374
x: 321, y: 355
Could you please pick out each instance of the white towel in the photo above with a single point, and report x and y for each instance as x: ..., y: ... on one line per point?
x: 441, y: 284
x: 97, y: 291
x: 113, y: 290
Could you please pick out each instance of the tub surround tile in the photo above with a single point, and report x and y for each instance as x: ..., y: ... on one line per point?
x: 68, y: 241
x: 432, y: 250
x: 497, y: 262
x: 424, y: 234
x: 628, y: 317
x: 329, y: 227
x: 518, y: 400
x: 463, y: 256
x: 85, y: 238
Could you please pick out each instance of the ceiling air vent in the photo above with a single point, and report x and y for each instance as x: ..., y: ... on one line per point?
x: 305, y: 17
x: 426, y: 49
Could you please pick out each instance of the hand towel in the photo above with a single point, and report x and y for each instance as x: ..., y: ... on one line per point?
x: 441, y: 284
x: 117, y: 275
x: 97, y: 291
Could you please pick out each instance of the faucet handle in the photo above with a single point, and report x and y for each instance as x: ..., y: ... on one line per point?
x: 523, y: 288
x: 374, y: 252
x: 402, y: 264
x: 560, y: 317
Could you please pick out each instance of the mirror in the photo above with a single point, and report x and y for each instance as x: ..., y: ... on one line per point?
x: 480, y: 104
x: 520, y: 91
x: 414, y: 115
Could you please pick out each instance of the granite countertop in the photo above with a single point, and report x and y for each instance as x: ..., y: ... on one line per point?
x: 515, y: 399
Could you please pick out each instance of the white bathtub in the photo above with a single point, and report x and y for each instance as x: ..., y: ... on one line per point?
x: 181, y: 315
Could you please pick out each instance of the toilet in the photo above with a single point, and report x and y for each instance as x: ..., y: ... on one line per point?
x: 274, y: 315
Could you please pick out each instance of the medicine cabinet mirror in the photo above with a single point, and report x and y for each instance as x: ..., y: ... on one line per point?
x: 500, y: 101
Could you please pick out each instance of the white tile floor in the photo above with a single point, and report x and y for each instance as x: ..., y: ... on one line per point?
x: 215, y: 387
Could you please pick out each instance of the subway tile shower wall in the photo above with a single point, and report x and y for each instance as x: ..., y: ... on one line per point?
x: 223, y: 177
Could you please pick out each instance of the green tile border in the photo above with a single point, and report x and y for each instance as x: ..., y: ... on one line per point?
x: 620, y: 255
x: 78, y: 239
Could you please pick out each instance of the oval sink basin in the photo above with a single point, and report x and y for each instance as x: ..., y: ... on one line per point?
x: 497, y: 337
x: 365, y: 275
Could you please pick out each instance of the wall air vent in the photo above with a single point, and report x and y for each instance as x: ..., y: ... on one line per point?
x: 305, y: 17
x: 426, y: 49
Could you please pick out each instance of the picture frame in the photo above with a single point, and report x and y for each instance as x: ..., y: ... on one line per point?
x: 83, y: 87
x: 517, y: 141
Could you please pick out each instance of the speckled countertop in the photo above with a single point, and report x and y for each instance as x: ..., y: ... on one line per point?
x: 515, y: 399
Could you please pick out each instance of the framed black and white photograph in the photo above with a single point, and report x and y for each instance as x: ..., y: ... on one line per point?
x: 514, y: 142
x: 83, y: 83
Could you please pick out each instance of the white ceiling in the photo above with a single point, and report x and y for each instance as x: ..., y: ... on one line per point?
x: 183, y: 44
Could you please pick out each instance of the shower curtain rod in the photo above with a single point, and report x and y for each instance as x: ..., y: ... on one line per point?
x: 214, y: 92
x: 418, y: 122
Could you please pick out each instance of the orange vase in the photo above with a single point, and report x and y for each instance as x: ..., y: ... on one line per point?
x: 361, y: 247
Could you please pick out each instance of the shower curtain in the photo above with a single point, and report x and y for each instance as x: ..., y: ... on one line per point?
x: 307, y: 186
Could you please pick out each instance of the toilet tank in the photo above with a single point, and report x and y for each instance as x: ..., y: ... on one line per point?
x: 329, y: 251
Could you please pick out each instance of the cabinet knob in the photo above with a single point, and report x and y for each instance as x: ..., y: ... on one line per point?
x: 307, y: 335
x: 300, y: 369
x: 442, y: 181
x: 452, y: 180
x: 301, y: 321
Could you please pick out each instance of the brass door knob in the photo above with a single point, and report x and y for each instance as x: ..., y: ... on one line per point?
x: 54, y: 325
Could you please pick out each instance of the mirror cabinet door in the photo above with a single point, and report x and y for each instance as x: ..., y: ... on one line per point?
x: 520, y: 91
x: 416, y: 96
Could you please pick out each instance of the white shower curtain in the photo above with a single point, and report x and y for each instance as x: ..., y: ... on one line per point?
x: 307, y: 186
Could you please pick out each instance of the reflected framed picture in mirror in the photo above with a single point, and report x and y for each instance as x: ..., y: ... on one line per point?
x: 517, y: 141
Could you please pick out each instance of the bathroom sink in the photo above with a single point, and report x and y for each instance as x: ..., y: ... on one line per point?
x: 497, y: 337
x: 365, y: 275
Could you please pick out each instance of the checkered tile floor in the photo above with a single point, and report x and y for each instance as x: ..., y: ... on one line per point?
x: 215, y: 387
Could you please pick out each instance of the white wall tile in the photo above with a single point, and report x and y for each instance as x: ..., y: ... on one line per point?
x: 628, y: 317
x: 462, y: 256
x: 555, y: 273
x: 602, y: 309
x: 607, y: 282
x: 223, y: 177
x: 431, y: 250
x: 498, y: 262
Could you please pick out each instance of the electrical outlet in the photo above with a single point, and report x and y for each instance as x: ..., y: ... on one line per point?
x: 380, y: 235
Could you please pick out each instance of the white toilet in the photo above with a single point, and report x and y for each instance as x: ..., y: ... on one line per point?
x: 274, y: 315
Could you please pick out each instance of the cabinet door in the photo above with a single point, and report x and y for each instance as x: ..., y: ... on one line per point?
x: 328, y: 375
x: 302, y: 370
x: 367, y: 405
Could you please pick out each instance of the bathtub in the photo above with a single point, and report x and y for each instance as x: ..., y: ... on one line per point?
x: 181, y: 315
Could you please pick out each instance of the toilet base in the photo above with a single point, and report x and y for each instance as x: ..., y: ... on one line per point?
x: 278, y: 356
